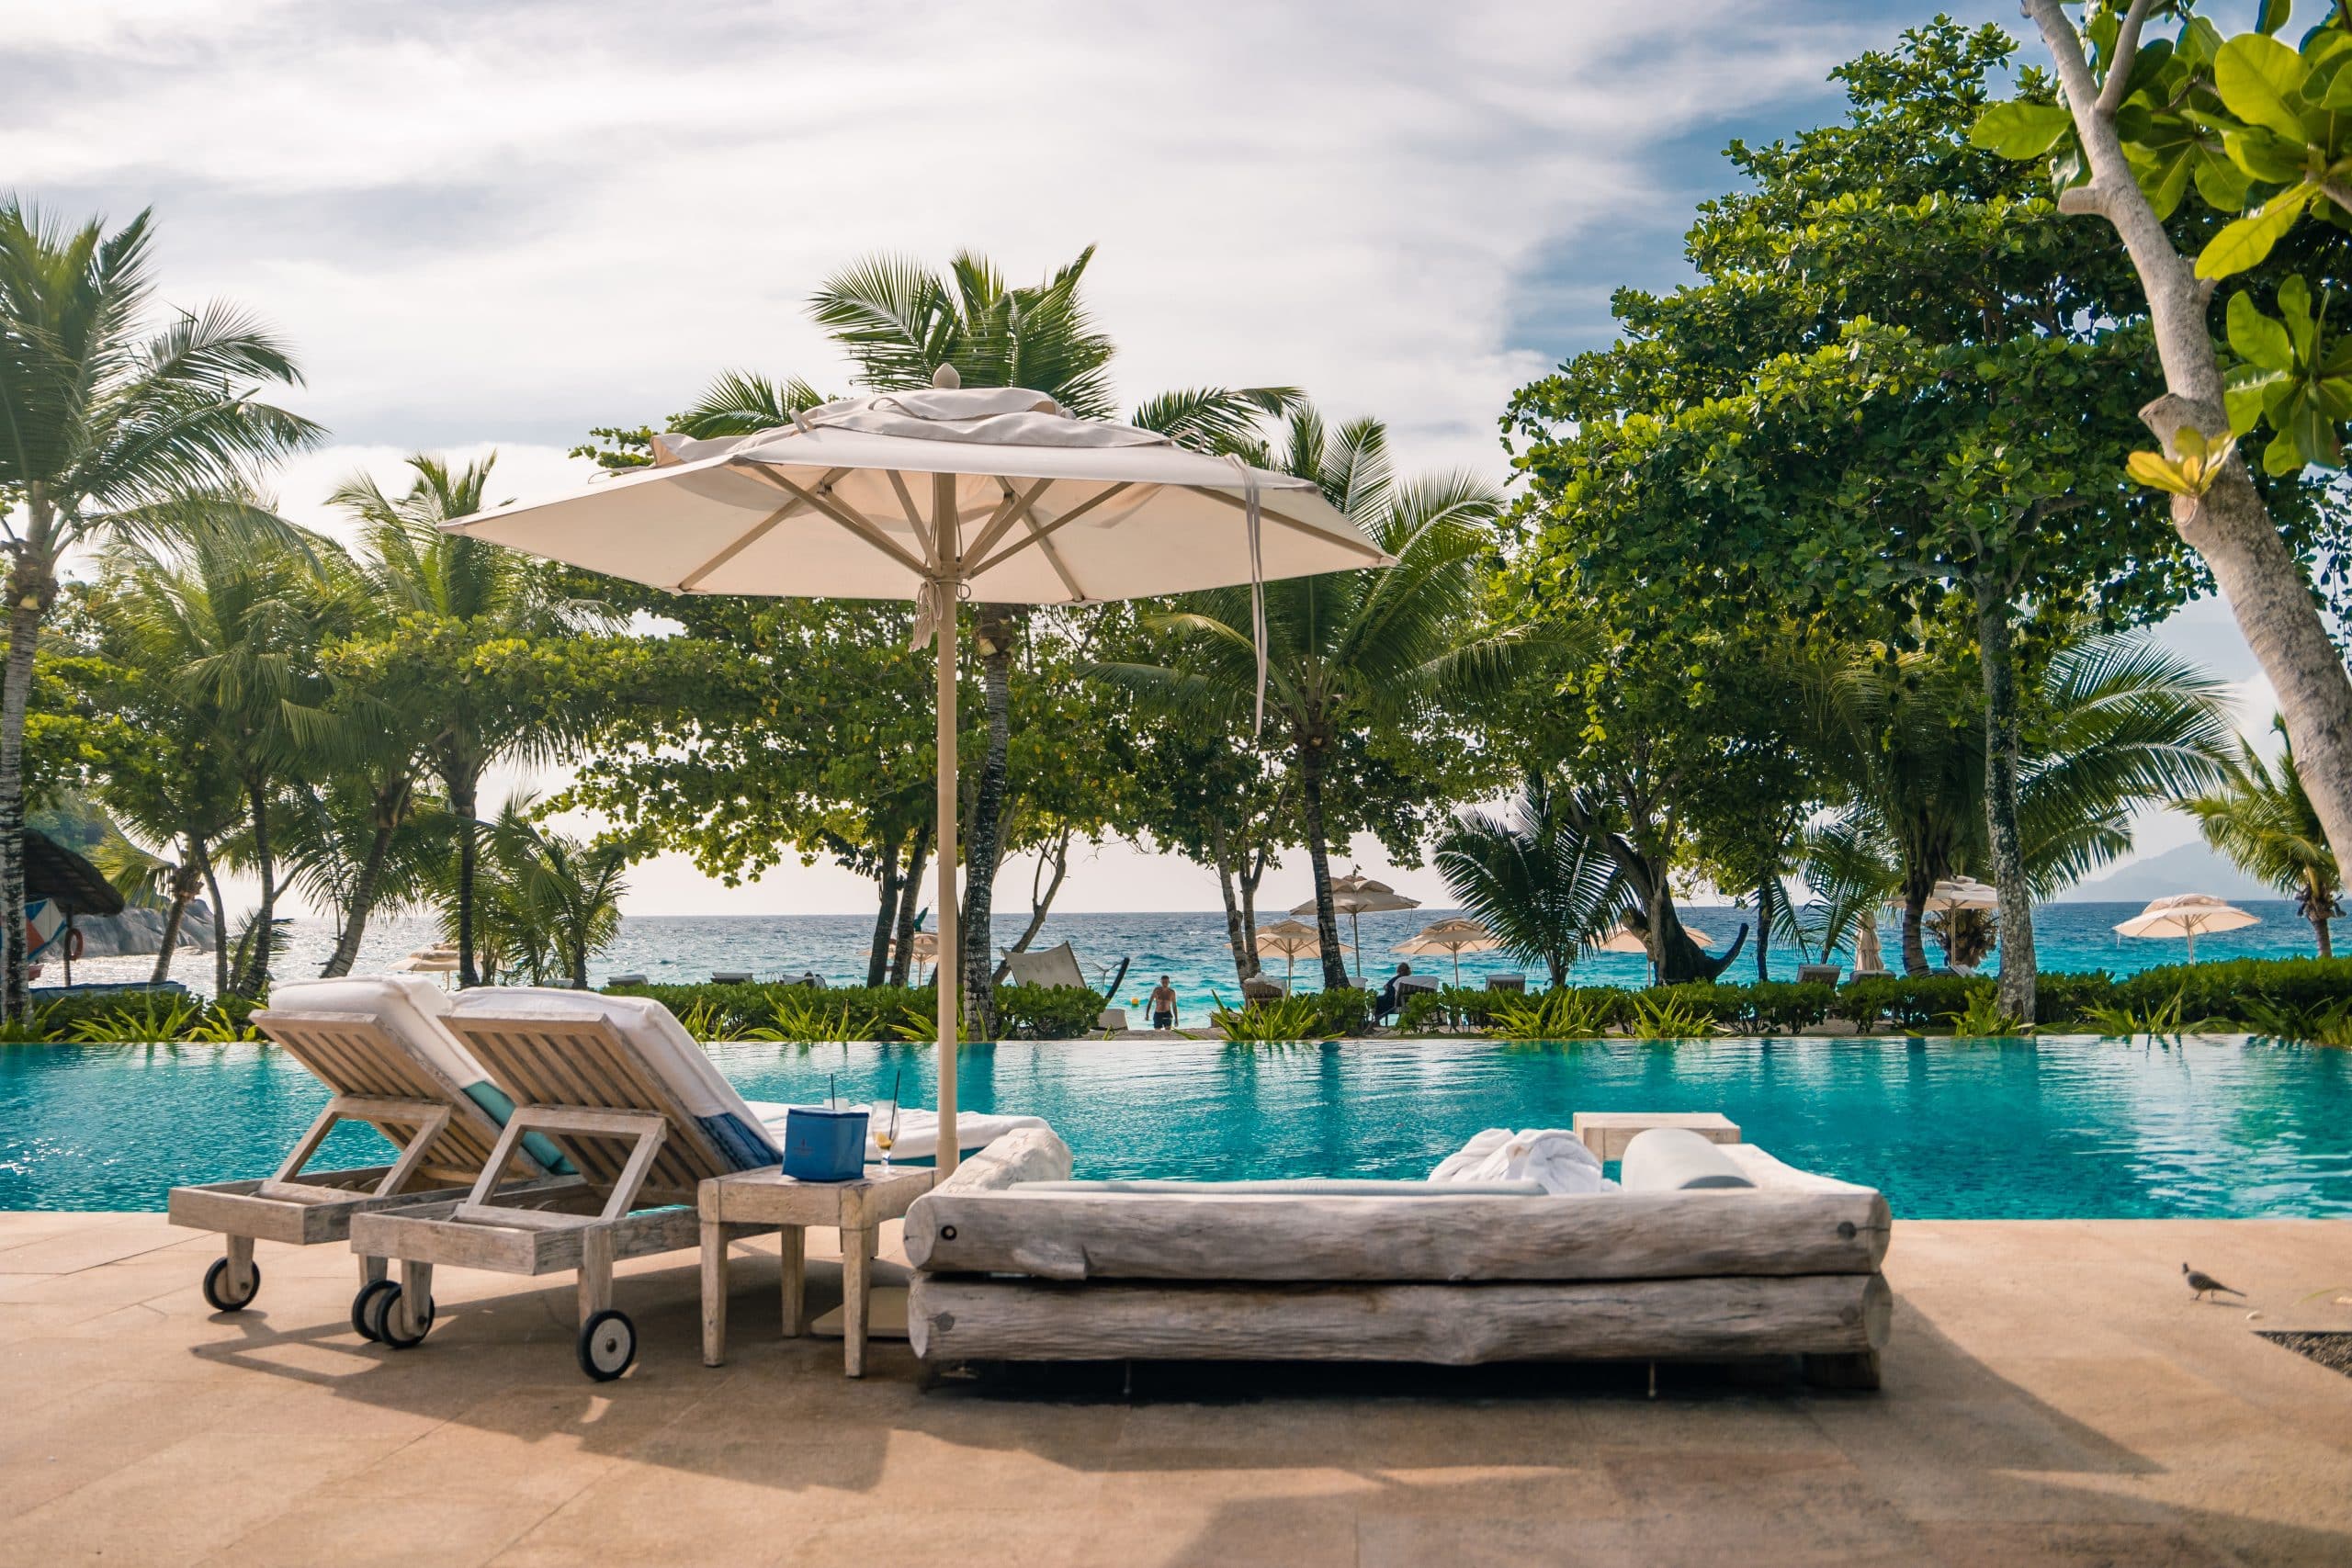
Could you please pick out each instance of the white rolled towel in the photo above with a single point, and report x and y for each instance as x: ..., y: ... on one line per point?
x: 1552, y: 1158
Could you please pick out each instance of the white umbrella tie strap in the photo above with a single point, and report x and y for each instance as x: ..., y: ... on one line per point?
x: 936, y: 600
x: 1254, y: 518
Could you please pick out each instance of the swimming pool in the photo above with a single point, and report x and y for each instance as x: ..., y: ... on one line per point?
x: 1948, y: 1129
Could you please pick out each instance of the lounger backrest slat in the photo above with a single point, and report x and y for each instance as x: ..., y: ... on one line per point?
x: 588, y: 1063
x: 356, y: 1055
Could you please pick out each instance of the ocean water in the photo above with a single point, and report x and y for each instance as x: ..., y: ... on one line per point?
x: 1948, y: 1129
x: 1190, y: 947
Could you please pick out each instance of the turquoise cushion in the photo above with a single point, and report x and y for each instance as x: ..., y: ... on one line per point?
x: 493, y: 1098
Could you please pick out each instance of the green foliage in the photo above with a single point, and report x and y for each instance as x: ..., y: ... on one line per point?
x: 151, y: 1017
x: 1655, y: 1015
x: 2324, y: 1023
x: 1563, y: 1013
x: 2264, y: 821
x: 2157, y: 1020
x: 1531, y: 876
x: 1983, y: 1019
x: 1449, y: 1007
x: 805, y: 1015
x: 1270, y: 1022
x: 1907, y: 1001
x: 800, y: 1013
x: 1047, y: 1012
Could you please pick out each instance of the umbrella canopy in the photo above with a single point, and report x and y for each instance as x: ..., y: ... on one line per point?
x: 1356, y: 894
x: 1288, y: 938
x: 439, y: 959
x: 1456, y: 935
x: 1961, y: 893
x: 924, y: 946
x: 1625, y: 939
x: 2188, y: 915
x: 937, y: 496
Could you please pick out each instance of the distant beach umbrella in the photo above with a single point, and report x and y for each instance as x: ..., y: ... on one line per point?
x: 936, y: 495
x: 1356, y: 894
x: 1289, y: 939
x: 1456, y: 935
x: 923, y: 946
x: 1625, y: 939
x: 1961, y: 893
x: 2188, y: 915
x: 440, y: 958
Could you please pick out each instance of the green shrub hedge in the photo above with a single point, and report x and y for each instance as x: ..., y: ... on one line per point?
x: 736, y: 1011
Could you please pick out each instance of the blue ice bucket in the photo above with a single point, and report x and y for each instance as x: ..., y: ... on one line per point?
x: 824, y: 1145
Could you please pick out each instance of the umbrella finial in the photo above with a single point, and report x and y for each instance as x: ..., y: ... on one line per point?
x: 945, y: 378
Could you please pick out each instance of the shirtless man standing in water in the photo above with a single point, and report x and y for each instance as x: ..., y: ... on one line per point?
x: 1163, y: 1005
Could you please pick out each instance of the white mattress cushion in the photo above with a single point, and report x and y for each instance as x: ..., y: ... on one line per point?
x: 659, y: 1037
x: 411, y: 1006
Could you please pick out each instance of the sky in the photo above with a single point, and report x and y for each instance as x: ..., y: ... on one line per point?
x: 494, y: 227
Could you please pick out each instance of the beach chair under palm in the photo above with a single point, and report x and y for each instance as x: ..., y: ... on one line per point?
x: 633, y: 1103
x: 378, y: 1042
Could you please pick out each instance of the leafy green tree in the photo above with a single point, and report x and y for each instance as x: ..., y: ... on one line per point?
x: 446, y: 605
x: 555, y: 899
x: 108, y: 430
x: 1347, y: 653
x: 2254, y: 128
x: 1934, y: 398
x: 2263, y: 820
x: 1531, y: 876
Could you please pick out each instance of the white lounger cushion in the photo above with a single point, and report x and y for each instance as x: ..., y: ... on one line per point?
x: 664, y: 1043
x: 411, y: 1009
x: 1676, y: 1159
x: 918, y: 1128
x: 1555, y: 1159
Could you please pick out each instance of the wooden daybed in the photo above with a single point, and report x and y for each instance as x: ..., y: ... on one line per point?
x: 1016, y: 1264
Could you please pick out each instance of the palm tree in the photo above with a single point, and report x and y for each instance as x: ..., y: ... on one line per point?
x: 107, y: 431
x: 900, y: 322
x: 2114, y: 723
x: 239, y: 620
x: 556, y: 899
x: 1532, y: 877
x: 357, y: 849
x: 1346, y: 649
x: 2264, y: 822
x: 446, y: 598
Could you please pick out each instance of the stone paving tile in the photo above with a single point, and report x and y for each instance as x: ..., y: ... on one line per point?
x: 2053, y: 1396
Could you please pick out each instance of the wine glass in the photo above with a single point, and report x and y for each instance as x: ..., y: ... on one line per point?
x: 886, y: 1137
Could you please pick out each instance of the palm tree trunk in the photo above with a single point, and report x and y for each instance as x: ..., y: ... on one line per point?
x: 2230, y: 526
x: 1249, y: 881
x: 463, y: 784
x: 185, y: 880
x: 30, y: 587
x: 878, y: 957
x: 1914, y: 932
x: 1327, y: 922
x: 1244, y: 961
x: 902, y: 935
x: 391, y: 805
x: 219, y: 921
x: 985, y: 842
x: 255, y: 979
x: 2319, y: 902
x: 1997, y: 652
x: 1765, y: 892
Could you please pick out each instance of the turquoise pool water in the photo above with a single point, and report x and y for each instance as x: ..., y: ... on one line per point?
x: 1948, y: 1129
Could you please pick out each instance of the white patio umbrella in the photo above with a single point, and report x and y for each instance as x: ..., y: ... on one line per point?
x: 937, y: 496
x: 1288, y: 938
x: 439, y: 959
x: 1354, y: 894
x: 1961, y: 893
x: 923, y: 948
x: 1456, y: 934
x: 2186, y: 915
x: 1625, y: 939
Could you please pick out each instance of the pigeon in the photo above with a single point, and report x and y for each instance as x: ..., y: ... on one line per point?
x: 2203, y: 1284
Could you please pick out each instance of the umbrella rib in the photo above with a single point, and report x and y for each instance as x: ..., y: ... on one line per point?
x: 1038, y: 535
x: 1360, y: 545
x: 753, y: 535
x: 850, y: 520
x: 914, y: 518
x: 1011, y: 509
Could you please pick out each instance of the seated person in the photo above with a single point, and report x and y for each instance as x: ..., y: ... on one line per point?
x: 1390, y: 998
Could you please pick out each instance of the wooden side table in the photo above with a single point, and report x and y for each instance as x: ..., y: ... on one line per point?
x: 1606, y: 1133
x: 772, y: 1198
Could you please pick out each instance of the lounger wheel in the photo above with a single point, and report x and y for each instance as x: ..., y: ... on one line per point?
x: 378, y: 1324
x: 363, y: 1304
x: 218, y: 1290
x: 607, y: 1345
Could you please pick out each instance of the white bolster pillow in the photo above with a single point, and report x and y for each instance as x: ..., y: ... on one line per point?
x: 1676, y: 1159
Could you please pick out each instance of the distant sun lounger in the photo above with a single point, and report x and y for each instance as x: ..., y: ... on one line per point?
x: 379, y: 1043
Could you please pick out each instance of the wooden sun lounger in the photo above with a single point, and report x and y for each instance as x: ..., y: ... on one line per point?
x: 443, y: 1142
x: 580, y: 1084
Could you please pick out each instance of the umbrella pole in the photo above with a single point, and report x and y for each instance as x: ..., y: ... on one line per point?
x: 950, y: 947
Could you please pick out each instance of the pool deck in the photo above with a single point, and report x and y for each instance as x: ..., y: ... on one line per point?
x: 2052, y: 1395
